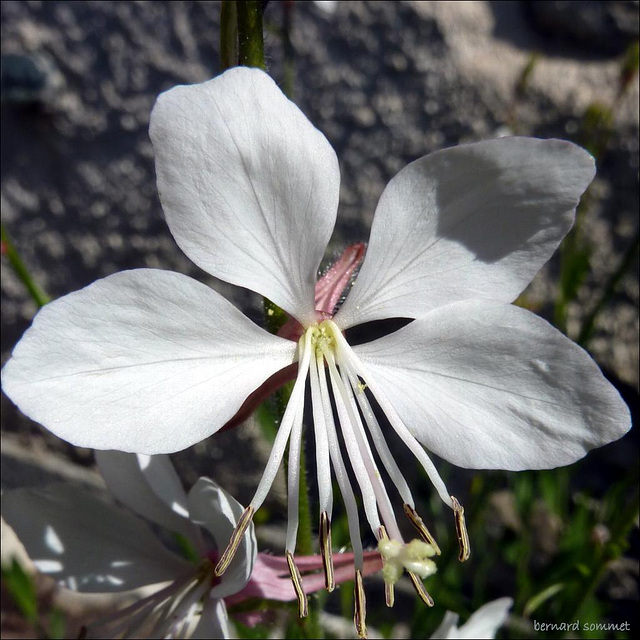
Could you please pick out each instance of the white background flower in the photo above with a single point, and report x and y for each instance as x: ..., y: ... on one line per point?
x: 483, y: 623
x: 91, y: 546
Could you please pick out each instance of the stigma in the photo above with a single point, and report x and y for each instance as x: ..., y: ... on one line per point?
x: 414, y: 557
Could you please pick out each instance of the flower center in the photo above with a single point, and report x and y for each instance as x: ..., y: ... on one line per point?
x: 323, y: 338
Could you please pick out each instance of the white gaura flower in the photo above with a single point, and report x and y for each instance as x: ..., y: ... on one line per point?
x: 152, y: 361
x: 92, y: 546
x: 484, y: 623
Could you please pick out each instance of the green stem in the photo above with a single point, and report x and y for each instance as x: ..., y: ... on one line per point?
x: 251, y: 54
x: 228, y: 35
x: 250, y: 35
x: 9, y: 250
x: 305, y: 531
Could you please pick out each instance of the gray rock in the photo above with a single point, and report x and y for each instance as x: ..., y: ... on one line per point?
x: 609, y: 26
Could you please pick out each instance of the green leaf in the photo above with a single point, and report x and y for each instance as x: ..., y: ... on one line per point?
x: 22, y: 589
x: 542, y: 597
x: 56, y: 625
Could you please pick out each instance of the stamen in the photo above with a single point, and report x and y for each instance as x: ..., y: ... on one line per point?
x: 461, y: 530
x: 348, y: 355
x: 389, y: 591
x: 360, y: 615
x: 376, y: 434
x: 418, y: 523
x: 323, y: 461
x: 292, y: 412
x: 382, y: 497
x: 374, y: 493
x: 346, y: 418
x: 327, y: 555
x: 295, y: 404
x: 420, y: 590
x: 325, y: 491
x: 296, y: 578
x: 319, y: 376
x: 293, y: 481
x: 234, y: 543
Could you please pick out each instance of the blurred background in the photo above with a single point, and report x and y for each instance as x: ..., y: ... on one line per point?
x: 386, y: 82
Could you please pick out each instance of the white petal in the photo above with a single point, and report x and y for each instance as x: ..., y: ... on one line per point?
x: 217, y: 511
x: 86, y: 544
x: 214, y: 621
x: 486, y: 621
x: 474, y: 221
x: 248, y: 185
x: 487, y: 385
x: 447, y: 628
x: 150, y: 486
x: 148, y: 361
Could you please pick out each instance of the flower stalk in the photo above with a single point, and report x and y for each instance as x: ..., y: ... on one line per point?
x: 228, y: 35
x: 250, y: 35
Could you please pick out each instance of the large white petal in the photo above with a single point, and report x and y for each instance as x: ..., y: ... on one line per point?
x: 473, y: 221
x: 148, y: 361
x: 150, y: 486
x: 487, y: 385
x: 248, y: 185
x: 87, y: 544
x: 217, y: 511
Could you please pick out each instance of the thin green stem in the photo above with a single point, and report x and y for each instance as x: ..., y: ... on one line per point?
x: 21, y: 270
x: 250, y: 34
x: 304, y: 541
x: 228, y: 35
x: 250, y: 53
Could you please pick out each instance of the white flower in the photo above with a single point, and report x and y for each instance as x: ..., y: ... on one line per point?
x: 152, y: 361
x: 484, y: 623
x: 91, y: 546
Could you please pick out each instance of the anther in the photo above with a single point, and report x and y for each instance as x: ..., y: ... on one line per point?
x: 327, y: 555
x: 389, y: 593
x: 461, y: 530
x: 359, y: 617
x: 419, y: 524
x: 296, y: 578
x: 420, y: 590
x: 234, y: 543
